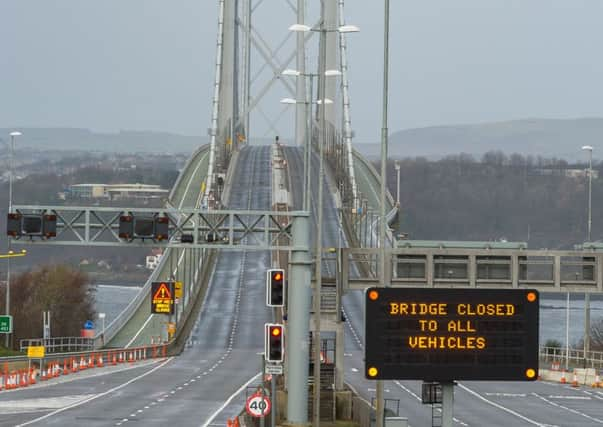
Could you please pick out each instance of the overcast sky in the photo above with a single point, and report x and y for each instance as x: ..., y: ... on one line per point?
x: 149, y: 64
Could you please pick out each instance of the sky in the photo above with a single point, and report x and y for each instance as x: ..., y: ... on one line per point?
x: 149, y: 64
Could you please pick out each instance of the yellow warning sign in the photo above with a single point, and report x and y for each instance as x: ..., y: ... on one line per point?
x: 36, y: 352
x: 178, y: 289
x: 162, y: 297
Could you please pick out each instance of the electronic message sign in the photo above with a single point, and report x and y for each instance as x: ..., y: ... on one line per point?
x: 162, y: 297
x: 451, y: 334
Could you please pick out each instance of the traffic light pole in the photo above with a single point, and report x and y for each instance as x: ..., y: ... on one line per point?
x: 298, y: 323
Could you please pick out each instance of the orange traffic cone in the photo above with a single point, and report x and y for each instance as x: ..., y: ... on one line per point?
x: 563, y: 380
x: 575, y: 380
x: 597, y: 382
x: 32, y: 376
x: 113, y: 359
x: 99, y: 362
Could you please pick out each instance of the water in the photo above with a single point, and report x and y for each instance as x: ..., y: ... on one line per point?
x: 112, y: 299
x: 553, y: 312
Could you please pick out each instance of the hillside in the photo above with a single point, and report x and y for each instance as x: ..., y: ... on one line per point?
x: 536, y: 137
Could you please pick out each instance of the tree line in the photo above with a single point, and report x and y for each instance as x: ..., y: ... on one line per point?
x: 511, y: 197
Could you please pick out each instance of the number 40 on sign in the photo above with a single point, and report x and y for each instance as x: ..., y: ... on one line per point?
x: 258, y: 406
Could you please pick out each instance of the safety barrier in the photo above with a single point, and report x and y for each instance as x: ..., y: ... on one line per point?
x: 73, y: 363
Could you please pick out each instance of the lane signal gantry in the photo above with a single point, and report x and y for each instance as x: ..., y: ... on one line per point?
x: 274, y: 350
x: 275, y: 288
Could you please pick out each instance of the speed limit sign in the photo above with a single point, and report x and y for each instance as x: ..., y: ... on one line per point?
x: 257, y: 406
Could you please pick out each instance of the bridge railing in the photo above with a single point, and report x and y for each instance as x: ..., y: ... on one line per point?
x: 58, y: 344
x: 556, y: 358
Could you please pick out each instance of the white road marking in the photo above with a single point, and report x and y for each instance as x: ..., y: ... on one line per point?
x: 573, y: 411
x: 503, y: 408
x: 40, y: 404
x: 225, y: 404
x: 127, y: 383
x: 569, y: 397
x: 506, y: 394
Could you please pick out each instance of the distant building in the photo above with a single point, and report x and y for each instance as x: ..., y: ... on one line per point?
x: 570, y: 173
x: 116, y: 191
x: 153, y: 261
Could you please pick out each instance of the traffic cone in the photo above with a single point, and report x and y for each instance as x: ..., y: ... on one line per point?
x: 563, y: 380
x: 99, y: 362
x: 23, y: 379
x: 90, y: 361
x: 82, y: 364
x: 131, y: 357
x: 597, y: 382
x: 575, y: 380
x: 32, y: 376
x: 113, y: 359
x: 121, y: 357
x: 236, y: 422
x: 65, y: 367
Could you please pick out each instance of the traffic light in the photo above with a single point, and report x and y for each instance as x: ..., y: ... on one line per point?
x: 275, y: 288
x: 144, y: 227
x: 274, y: 349
x: 33, y: 225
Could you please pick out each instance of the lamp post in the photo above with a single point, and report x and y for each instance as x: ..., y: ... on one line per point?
x: 397, y: 167
x: 588, y: 148
x: 590, y: 183
x: 13, y: 135
x: 380, y: 409
x: 318, y: 272
x: 308, y: 139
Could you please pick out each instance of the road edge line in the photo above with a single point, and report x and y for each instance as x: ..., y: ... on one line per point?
x: 75, y: 405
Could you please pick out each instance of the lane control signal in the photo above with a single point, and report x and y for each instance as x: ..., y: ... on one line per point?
x: 274, y: 348
x: 144, y: 227
x: 41, y: 225
x: 275, y: 288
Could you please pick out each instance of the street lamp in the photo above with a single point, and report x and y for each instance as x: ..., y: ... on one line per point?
x: 13, y: 135
x: 308, y: 102
x: 318, y: 265
x: 397, y: 167
x: 380, y: 407
x: 589, y: 148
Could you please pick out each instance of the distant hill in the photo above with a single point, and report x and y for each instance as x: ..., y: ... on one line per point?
x: 537, y: 137
x: 86, y: 140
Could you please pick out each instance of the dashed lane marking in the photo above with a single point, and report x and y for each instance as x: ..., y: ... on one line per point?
x: 573, y: 411
x: 501, y: 407
x: 112, y: 390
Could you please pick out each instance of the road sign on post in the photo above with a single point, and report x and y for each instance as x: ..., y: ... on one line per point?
x: 451, y: 334
x: 162, y: 297
x: 178, y: 289
x: 258, y: 406
x: 6, y: 324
